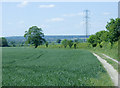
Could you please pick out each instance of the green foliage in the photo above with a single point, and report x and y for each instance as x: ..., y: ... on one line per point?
x: 106, y: 49
x: 12, y: 43
x: 114, y: 64
x: 52, y: 43
x: 70, y: 43
x: 65, y: 42
x: 111, y: 35
x: 77, y: 41
x: 105, y: 36
x: 93, y: 40
x: 0, y: 42
x: 101, y: 35
x: 22, y: 44
x: 58, y: 41
x: 84, y: 45
x: 119, y: 49
x: 98, y: 38
x: 75, y: 45
x: 46, y: 44
x: 114, y: 30
x: 3, y: 42
x: 52, y: 67
x: 34, y: 36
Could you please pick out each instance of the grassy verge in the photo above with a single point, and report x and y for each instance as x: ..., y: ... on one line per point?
x: 113, y: 53
x: 106, y: 49
x: 0, y: 67
x: 114, y: 64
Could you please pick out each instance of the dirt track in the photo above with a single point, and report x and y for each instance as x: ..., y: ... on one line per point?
x: 110, y: 58
x: 111, y: 71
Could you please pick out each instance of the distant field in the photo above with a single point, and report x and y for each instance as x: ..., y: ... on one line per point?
x: 106, y: 49
x: 52, y: 67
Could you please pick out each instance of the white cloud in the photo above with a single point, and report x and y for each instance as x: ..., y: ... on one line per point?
x: 23, y: 4
x: 106, y: 13
x: 55, y: 20
x: 47, y: 6
x: 74, y: 14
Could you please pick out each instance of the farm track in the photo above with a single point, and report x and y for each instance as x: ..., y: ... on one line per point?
x: 111, y: 58
x: 111, y: 71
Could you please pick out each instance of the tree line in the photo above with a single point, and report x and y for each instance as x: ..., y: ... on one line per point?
x: 3, y: 42
x: 112, y: 34
x: 35, y: 36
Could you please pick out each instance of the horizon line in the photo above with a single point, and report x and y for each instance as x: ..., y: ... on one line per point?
x: 50, y: 35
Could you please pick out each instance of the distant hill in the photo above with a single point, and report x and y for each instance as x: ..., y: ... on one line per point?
x: 49, y: 38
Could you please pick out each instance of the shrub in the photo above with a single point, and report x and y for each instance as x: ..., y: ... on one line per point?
x: 70, y: 43
x: 65, y: 42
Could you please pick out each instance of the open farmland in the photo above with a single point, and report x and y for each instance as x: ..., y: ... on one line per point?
x: 52, y: 67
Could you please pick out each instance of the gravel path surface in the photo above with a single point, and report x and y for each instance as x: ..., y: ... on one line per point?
x: 111, y: 58
x: 111, y: 71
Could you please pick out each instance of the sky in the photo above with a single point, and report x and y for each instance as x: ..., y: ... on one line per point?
x: 56, y: 18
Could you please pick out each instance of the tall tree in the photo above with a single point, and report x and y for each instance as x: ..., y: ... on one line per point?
x: 46, y: 43
x: 75, y: 45
x: 3, y: 42
x: 58, y: 41
x: 114, y: 30
x: 99, y: 35
x: 105, y: 36
x: 34, y: 36
x: 70, y: 43
x: 92, y: 40
x: 13, y: 43
x: 64, y: 42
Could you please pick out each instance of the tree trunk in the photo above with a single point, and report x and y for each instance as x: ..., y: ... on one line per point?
x: 111, y: 45
x: 36, y: 46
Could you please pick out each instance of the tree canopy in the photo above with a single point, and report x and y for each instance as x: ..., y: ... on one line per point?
x: 114, y: 30
x: 3, y: 42
x: 58, y: 41
x: 34, y: 36
x: 93, y: 40
x: 65, y: 42
x: 111, y: 35
x: 70, y: 43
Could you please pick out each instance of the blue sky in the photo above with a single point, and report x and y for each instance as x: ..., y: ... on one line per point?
x: 56, y: 18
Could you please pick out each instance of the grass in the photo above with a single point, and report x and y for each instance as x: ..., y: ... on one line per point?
x: 119, y: 49
x: 113, y: 53
x: 114, y: 64
x: 52, y: 67
x: 106, y: 49
x: 0, y: 67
